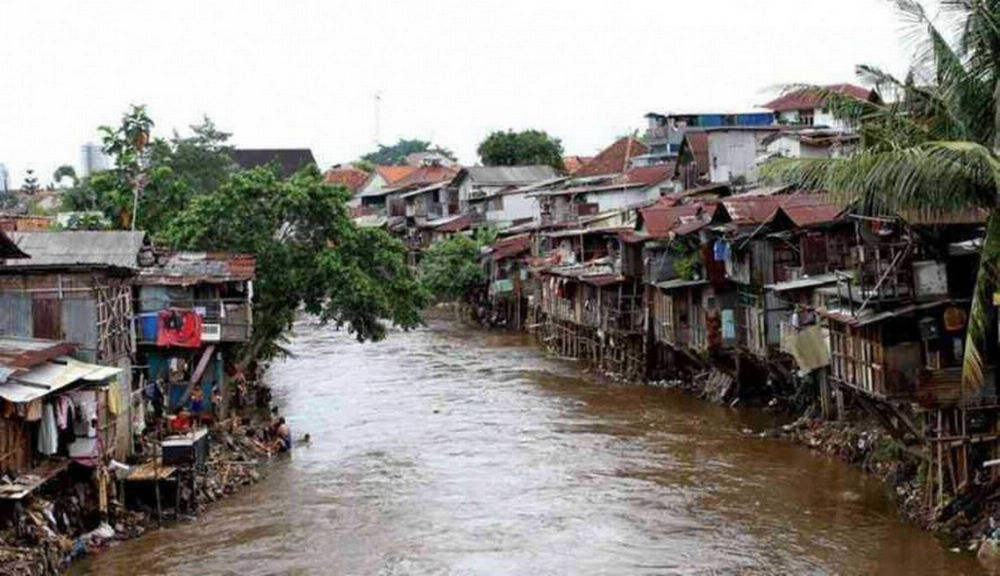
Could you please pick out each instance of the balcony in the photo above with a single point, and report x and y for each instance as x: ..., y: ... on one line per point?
x: 223, y: 320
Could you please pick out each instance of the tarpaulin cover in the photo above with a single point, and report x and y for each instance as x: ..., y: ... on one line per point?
x: 178, y: 327
x: 809, y: 349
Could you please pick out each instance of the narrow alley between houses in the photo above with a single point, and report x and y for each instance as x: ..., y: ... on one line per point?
x: 450, y: 450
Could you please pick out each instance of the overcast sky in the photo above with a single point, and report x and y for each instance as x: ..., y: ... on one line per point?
x: 304, y: 73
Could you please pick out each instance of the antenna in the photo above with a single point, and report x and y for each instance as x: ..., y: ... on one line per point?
x: 378, y: 102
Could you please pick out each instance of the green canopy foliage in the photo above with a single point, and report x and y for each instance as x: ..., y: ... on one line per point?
x: 527, y: 147
x: 450, y: 269
x: 396, y: 154
x: 309, y: 252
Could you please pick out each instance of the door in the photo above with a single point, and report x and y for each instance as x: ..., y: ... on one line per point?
x: 46, y: 318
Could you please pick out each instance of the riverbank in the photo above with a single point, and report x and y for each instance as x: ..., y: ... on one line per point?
x: 961, y: 524
x: 62, y: 523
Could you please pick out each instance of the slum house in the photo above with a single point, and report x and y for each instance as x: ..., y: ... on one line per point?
x: 591, y: 299
x: 810, y: 107
x: 665, y: 132
x: 77, y: 287
x: 56, y: 411
x: 351, y: 178
x: 193, y: 310
x: 509, y: 295
x: 606, y: 183
x: 668, y: 233
x: 495, y: 194
x: 777, y: 249
x: 896, y: 340
x: 578, y: 197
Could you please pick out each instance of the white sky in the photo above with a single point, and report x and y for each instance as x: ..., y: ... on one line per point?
x: 304, y: 72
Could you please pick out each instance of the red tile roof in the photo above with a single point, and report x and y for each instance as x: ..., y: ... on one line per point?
x: 393, y: 173
x: 614, y: 159
x: 350, y: 177
x: 425, y: 176
x: 456, y: 225
x: 573, y: 163
x: 648, y: 175
x: 810, y: 99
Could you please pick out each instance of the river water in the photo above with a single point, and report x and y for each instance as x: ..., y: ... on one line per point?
x: 450, y: 450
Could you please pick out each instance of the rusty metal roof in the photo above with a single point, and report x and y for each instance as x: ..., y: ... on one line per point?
x: 24, y: 353
x: 188, y: 268
x: 108, y: 248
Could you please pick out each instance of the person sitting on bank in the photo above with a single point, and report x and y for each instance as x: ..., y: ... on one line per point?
x: 283, y: 436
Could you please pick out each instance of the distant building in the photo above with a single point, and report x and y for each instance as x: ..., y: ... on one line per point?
x: 288, y: 160
x: 4, y: 179
x: 429, y: 158
x: 93, y: 159
x: 808, y: 107
x: 665, y: 132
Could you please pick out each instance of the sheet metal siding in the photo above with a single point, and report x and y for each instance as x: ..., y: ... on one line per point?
x: 79, y: 325
x: 15, y: 315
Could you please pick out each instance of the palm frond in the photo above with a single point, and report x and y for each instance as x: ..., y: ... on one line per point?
x: 987, y: 281
x: 935, y: 176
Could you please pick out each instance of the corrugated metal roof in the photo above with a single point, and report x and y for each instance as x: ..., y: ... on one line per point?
x: 187, y: 268
x: 510, y: 175
x: 118, y: 249
x: 51, y: 377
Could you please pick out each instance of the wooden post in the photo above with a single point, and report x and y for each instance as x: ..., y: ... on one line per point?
x: 838, y: 396
x: 940, y: 463
x: 824, y: 395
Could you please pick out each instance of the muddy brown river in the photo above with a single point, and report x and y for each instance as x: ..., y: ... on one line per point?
x: 455, y: 451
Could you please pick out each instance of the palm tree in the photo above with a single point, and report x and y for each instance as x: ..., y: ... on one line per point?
x: 934, y: 146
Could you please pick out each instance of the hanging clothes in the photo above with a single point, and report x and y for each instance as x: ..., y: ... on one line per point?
x: 85, y: 414
x: 48, y: 435
x: 720, y: 250
x: 178, y: 327
x: 34, y: 410
x: 114, y: 399
x: 64, y: 412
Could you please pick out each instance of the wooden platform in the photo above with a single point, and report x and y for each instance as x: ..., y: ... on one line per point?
x: 149, y: 471
x: 29, y: 481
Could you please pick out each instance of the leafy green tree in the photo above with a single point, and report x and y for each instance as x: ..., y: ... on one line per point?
x: 396, y: 154
x: 168, y: 173
x: 450, y: 269
x: 309, y: 253
x: 931, y: 147
x: 527, y: 147
x: 65, y: 171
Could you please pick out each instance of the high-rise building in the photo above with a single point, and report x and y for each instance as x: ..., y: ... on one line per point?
x: 93, y: 159
x: 4, y: 180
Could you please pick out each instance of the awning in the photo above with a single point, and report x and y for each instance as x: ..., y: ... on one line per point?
x: 52, y: 376
x: 679, y: 283
x: 810, y: 282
